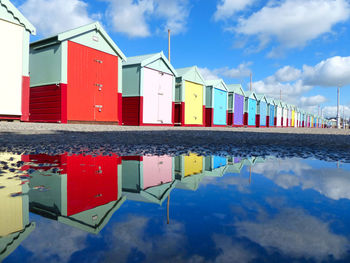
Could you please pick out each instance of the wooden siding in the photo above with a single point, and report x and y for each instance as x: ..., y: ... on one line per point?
x: 131, y: 110
x: 45, y: 103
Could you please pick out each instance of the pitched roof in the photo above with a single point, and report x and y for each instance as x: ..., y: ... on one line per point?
x: 187, y: 73
x: 250, y: 94
x: 216, y: 83
x: 261, y: 97
x: 18, y: 16
x: 236, y: 88
x: 81, y: 30
x: 144, y: 60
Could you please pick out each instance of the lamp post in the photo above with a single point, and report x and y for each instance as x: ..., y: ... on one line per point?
x: 338, y: 101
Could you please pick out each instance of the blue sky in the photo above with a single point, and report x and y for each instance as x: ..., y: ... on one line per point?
x: 297, y: 46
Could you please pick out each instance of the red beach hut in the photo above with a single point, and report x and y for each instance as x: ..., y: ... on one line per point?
x: 76, y: 77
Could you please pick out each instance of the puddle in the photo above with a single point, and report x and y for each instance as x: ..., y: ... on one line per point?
x: 186, y: 208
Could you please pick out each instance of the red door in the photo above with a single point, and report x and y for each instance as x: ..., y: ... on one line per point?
x: 92, y: 92
x: 106, y: 92
x: 91, y: 182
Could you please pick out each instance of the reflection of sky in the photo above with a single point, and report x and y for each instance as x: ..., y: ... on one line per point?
x: 292, y: 211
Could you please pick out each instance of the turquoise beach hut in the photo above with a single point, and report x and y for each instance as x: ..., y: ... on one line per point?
x: 262, y: 114
x: 270, y: 120
x: 250, y: 109
x: 216, y: 103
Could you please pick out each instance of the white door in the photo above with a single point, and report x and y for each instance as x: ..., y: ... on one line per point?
x: 11, y: 49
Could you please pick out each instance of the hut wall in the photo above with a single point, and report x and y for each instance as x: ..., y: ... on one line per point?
x: 252, y: 104
x: 193, y: 103
x: 238, y: 110
x: 220, y: 107
x: 272, y: 116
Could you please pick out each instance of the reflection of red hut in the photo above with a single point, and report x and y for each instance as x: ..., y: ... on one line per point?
x: 84, y: 193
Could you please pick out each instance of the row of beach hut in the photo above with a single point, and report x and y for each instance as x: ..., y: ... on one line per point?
x: 82, y: 76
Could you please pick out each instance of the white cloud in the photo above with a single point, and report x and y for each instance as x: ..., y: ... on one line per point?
x: 208, y: 74
x: 328, y: 73
x: 294, y: 233
x: 175, y: 14
x: 232, y: 251
x: 332, y: 183
x: 61, y: 243
x: 292, y: 22
x: 313, y: 100
x: 287, y: 73
x: 54, y: 16
x: 227, y: 8
x: 241, y: 71
x: 290, y: 91
x: 133, y: 17
x: 129, y: 17
x: 129, y: 235
x: 331, y: 111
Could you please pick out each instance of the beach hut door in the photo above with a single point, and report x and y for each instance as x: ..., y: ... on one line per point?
x: 10, y: 68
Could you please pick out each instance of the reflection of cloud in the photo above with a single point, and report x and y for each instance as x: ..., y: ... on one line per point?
x: 54, y: 242
x: 296, y: 234
x: 241, y: 182
x: 333, y: 183
x: 230, y: 251
x: 129, y: 240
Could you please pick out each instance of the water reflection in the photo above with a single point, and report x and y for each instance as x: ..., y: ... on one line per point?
x: 14, y: 207
x: 223, y: 209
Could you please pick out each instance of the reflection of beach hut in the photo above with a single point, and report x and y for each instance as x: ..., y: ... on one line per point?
x: 261, y: 111
x: 189, y: 97
x: 189, y: 171
x: 84, y: 193
x: 14, y: 209
x: 234, y: 165
x: 216, y: 103
x: 148, y: 90
x: 235, y: 105
x: 215, y: 165
x: 148, y: 178
x: 278, y: 113
x: 250, y: 109
x: 76, y: 77
x: 14, y: 53
x: 271, y: 109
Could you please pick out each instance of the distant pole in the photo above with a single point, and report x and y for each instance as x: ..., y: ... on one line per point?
x: 169, y: 45
x: 251, y: 77
x: 250, y: 174
x: 280, y: 94
x: 338, y: 113
x: 167, y: 210
x: 343, y: 118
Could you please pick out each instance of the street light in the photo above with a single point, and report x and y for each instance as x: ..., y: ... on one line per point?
x: 338, y: 113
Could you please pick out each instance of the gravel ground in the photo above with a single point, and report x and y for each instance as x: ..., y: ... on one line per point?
x: 325, y: 144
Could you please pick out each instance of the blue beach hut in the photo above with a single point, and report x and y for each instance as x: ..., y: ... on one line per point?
x: 261, y: 111
x: 250, y: 109
x: 216, y: 103
x: 271, y: 113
